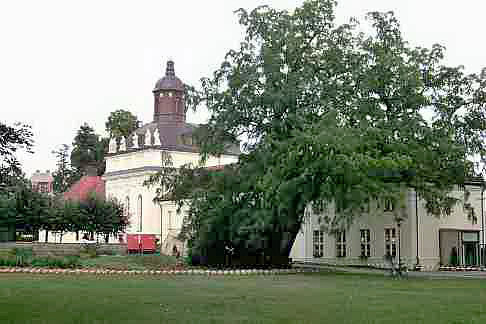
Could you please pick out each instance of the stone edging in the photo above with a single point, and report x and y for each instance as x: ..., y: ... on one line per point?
x: 156, y: 272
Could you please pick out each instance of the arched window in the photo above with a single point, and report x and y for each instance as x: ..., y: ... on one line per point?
x: 127, y: 206
x: 139, y: 213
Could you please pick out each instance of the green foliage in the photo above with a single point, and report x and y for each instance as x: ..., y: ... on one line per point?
x: 88, y: 151
x: 34, y: 211
x: 121, y: 123
x: 12, y: 138
x: 325, y: 109
x: 89, y: 251
x: 22, y: 257
x: 63, y: 176
x: 61, y: 263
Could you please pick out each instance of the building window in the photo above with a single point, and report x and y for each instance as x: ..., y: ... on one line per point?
x: 389, y: 205
x: 341, y: 244
x: 127, y: 206
x: 390, y: 242
x: 318, y: 243
x: 43, y: 187
x: 365, y: 243
x: 140, y: 213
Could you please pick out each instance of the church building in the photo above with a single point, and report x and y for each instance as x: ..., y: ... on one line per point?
x: 131, y: 162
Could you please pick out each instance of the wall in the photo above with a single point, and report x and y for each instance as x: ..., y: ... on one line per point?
x: 153, y: 157
x: 429, y: 226
x: 376, y: 221
x: 125, y: 175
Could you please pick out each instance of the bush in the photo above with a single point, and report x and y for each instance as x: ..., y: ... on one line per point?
x: 23, y: 256
x: 63, y: 263
x: 72, y: 261
x: 90, y: 250
x: 8, y: 263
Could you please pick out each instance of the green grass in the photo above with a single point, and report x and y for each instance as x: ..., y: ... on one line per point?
x: 130, y: 262
x: 313, y: 298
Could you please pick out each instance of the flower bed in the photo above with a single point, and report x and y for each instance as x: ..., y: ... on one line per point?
x: 156, y: 272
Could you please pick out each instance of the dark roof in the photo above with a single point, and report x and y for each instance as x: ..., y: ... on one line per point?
x: 169, y: 81
x: 170, y: 136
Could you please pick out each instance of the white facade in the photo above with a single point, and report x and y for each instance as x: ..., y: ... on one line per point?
x: 425, y: 240
x: 125, y: 175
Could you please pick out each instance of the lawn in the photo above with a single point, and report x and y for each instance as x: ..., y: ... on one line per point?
x: 310, y: 298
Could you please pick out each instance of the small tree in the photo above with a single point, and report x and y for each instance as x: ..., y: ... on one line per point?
x: 121, y: 123
x: 63, y: 175
x: 97, y: 215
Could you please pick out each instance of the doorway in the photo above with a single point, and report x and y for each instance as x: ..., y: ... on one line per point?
x: 470, y: 248
x: 471, y: 255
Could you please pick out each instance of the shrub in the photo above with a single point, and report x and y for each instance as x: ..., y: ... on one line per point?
x: 72, y: 261
x: 90, y: 250
x: 23, y: 256
x: 8, y: 263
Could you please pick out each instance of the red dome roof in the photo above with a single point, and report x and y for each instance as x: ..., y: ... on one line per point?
x: 169, y: 81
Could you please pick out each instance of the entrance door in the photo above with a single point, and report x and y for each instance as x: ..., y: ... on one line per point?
x: 471, y: 254
x: 470, y: 245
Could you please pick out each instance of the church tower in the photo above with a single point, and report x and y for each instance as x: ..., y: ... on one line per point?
x: 169, y: 107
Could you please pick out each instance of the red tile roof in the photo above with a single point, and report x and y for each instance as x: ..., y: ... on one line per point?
x: 87, y: 184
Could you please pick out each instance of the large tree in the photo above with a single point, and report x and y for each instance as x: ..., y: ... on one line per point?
x: 13, y: 138
x: 331, y: 117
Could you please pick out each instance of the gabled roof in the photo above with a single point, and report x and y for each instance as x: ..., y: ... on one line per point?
x: 84, y: 186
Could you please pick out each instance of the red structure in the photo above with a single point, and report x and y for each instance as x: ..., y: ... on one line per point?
x: 84, y: 186
x: 141, y: 243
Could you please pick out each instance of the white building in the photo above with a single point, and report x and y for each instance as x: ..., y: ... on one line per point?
x: 421, y: 239
x: 130, y: 163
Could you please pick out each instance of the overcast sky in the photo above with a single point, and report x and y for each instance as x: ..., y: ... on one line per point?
x: 64, y: 62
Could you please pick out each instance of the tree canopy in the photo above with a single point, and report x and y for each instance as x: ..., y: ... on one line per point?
x: 121, y: 123
x: 13, y: 138
x: 88, y: 151
x: 332, y: 116
x: 63, y: 175
x: 27, y: 209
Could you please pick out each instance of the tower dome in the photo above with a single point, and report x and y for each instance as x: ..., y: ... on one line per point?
x: 169, y: 106
x: 169, y: 81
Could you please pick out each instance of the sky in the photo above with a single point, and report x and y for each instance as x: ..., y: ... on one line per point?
x: 63, y: 63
